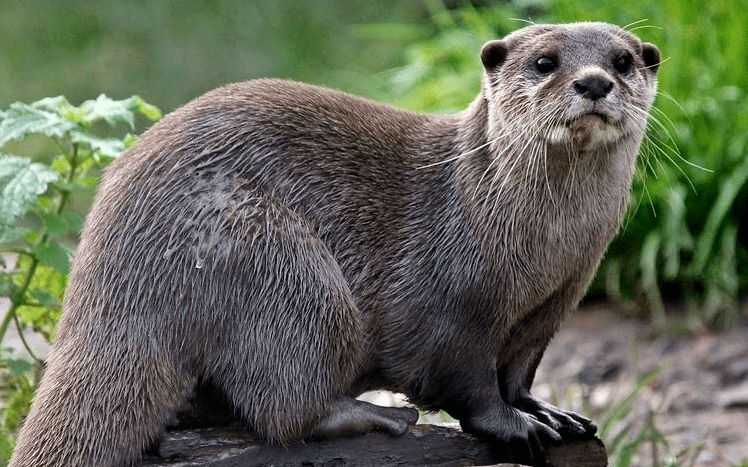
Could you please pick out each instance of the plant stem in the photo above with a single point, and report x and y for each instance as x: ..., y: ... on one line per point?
x: 26, y: 345
x: 18, y: 299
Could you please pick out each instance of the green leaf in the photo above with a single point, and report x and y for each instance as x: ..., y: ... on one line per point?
x: 58, y: 224
x: 58, y: 105
x: 9, y: 233
x: 44, y: 202
x: 19, y: 366
x: 129, y: 140
x: 56, y: 256
x: 648, y: 263
x: 54, y: 223
x: 676, y: 238
x: 22, y: 120
x: 151, y: 112
x: 720, y: 208
x: 21, y: 182
x: 19, y: 402
x: 111, y: 147
x: 53, y: 282
x: 113, y: 112
x: 32, y: 236
x: 45, y: 299
x: 73, y: 220
x: 7, y: 286
x: 60, y: 165
x: 108, y: 109
x: 87, y: 181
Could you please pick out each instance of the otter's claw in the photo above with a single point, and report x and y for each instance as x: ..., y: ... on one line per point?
x: 567, y: 423
x: 522, y: 435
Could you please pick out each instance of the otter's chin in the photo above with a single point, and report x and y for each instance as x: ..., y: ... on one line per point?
x: 587, y: 124
x: 585, y: 133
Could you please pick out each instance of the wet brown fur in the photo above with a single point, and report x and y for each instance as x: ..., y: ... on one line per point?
x: 296, y: 245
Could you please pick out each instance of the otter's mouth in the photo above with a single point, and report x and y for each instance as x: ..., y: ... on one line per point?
x: 588, y: 122
x: 590, y: 129
x: 586, y: 131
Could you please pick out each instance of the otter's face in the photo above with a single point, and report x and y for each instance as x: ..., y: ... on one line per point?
x: 579, y: 86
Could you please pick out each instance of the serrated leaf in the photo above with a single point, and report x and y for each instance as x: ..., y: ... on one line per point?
x: 109, y: 110
x: 58, y: 105
x: 21, y: 182
x: 111, y: 147
x: 56, y: 256
x: 22, y: 120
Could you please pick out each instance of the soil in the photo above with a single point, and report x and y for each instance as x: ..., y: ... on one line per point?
x: 697, y: 396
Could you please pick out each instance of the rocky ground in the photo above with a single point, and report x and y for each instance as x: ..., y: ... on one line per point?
x: 698, y: 395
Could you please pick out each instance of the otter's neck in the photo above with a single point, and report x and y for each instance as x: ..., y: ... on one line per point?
x: 536, y: 208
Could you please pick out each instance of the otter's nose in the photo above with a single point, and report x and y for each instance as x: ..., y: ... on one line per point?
x: 593, y: 87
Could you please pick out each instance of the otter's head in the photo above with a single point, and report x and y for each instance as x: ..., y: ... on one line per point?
x: 576, y: 86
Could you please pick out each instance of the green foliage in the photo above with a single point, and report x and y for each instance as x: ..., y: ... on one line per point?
x: 626, y: 438
x: 35, y: 221
x: 443, y: 73
x: 21, y: 182
x: 685, y: 236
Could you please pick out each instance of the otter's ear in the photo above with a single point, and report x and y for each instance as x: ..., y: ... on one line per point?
x: 651, y: 56
x: 493, y: 54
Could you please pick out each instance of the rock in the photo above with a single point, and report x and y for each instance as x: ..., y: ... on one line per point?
x: 735, y: 397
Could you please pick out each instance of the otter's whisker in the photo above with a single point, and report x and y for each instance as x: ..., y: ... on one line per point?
x: 630, y: 25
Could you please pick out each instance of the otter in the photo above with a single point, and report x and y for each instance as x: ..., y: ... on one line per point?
x: 297, y: 246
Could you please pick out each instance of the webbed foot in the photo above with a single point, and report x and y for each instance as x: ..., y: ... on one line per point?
x: 522, y: 435
x: 351, y: 417
x: 569, y: 425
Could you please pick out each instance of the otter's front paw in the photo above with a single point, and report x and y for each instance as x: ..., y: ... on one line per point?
x: 569, y: 424
x: 520, y: 434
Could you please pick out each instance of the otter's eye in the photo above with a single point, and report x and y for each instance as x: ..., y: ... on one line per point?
x: 545, y: 64
x: 622, y: 64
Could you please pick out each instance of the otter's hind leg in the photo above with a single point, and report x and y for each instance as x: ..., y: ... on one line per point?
x: 291, y: 338
x: 347, y: 416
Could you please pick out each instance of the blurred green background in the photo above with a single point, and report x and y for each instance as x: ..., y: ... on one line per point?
x: 172, y: 51
x: 685, y: 241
